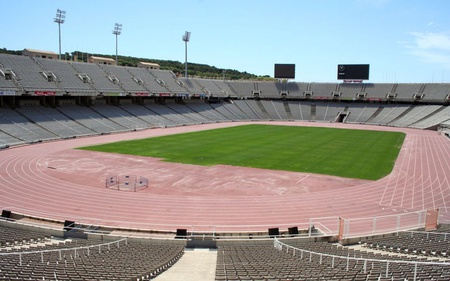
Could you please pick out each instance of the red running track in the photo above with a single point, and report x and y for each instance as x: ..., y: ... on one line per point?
x: 52, y: 180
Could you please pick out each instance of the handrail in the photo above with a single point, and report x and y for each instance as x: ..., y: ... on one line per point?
x: 279, y: 246
x: 74, y: 249
x: 428, y: 234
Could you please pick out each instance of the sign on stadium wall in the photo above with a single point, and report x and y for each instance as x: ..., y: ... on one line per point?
x: 8, y: 93
x: 321, y: 98
x: 141, y: 94
x: 164, y: 94
x: 44, y: 93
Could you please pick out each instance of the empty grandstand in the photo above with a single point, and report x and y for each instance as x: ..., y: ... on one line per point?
x: 48, y: 107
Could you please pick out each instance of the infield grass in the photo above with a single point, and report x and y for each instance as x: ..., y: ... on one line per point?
x: 361, y: 154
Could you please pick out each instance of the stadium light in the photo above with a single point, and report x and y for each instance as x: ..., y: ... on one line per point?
x: 60, y: 18
x: 117, y: 31
x: 186, y: 37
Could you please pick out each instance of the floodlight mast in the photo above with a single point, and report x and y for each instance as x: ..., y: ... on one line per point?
x: 60, y: 18
x: 186, y: 37
x: 117, y: 31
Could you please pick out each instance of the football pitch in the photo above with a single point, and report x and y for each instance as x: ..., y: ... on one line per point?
x: 361, y: 154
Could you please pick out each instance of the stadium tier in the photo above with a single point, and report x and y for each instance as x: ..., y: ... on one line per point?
x: 29, y: 121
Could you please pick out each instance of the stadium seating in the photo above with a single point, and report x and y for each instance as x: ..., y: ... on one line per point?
x: 28, y: 73
x: 407, y: 91
x: 54, y: 121
x: 78, y: 259
x: 435, y: 92
x: 169, y: 80
x: 265, y: 262
x: 195, y: 87
x: 66, y: 77
x: 350, y: 90
x: 361, y: 113
x: 378, y: 90
x: 149, y: 81
x: 18, y: 126
x: 276, y: 109
x: 243, y: 89
x: 388, y: 113
x: 230, y: 111
x: 28, y: 124
x: 207, y: 111
x: 413, y: 243
x: 206, y: 86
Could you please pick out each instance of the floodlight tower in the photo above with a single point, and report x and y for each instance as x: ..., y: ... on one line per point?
x: 117, y: 31
x: 60, y: 18
x: 186, y: 37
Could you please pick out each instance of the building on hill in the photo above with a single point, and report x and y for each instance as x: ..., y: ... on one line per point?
x: 148, y: 65
x: 102, y: 60
x: 40, y: 54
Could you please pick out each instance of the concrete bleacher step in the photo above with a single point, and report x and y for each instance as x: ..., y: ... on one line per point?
x: 195, y: 264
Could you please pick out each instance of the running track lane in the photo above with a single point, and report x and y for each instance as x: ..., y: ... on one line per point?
x: 419, y: 181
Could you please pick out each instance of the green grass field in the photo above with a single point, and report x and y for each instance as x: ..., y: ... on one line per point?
x: 347, y: 153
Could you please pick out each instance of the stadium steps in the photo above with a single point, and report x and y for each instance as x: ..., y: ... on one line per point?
x: 134, y: 76
x: 232, y: 89
x: 157, y: 79
x: 375, y: 114
x: 55, y: 81
x: 313, y: 112
x: 263, y: 109
x: 288, y: 110
x: 111, y: 74
x: 90, y: 83
x: 195, y: 264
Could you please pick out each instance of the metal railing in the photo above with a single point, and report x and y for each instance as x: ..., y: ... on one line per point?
x: 74, y: 250
x: 333, y: 260
x: 383, y: 224
x: 325, y: 226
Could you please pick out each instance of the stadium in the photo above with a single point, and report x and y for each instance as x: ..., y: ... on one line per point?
x: 50, y: 188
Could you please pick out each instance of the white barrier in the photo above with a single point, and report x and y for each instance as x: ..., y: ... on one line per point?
x: 366, y: 263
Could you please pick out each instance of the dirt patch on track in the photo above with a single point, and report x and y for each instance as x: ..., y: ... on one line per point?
x: 92, y: 168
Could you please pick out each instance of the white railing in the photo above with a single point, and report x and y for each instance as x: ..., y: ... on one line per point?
x: 333, y: 260
x: 75, y: 250
x: 383, y: 224
x: 429, y: 234
x: 325, y: 226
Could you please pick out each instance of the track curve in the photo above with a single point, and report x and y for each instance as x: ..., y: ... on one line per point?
x: 52, y: 180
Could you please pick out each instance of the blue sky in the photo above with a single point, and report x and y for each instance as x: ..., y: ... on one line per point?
x: 402, y: 40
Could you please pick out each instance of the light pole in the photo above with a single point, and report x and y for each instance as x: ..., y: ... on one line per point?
x: 117, y: 31
x: 60, y: 18
x: 186, y: 37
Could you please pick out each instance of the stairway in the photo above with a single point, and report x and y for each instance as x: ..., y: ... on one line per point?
x: 195, y: 264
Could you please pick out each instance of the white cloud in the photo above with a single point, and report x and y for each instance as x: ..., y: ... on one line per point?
x: 431, y: 40
x: 430, y: 47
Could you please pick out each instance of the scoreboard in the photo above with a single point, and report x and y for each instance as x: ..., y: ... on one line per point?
x: 286, y: 71
x: 353, y: 72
